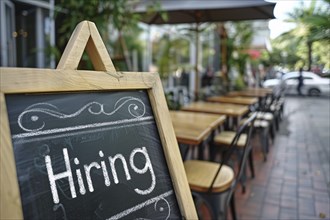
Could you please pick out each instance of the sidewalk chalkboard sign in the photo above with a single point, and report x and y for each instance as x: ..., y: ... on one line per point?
x: 88, y: 144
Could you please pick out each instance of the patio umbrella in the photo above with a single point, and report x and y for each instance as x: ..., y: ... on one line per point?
x: 199, y: 11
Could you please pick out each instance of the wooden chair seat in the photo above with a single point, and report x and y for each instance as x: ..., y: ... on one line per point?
x: 226, y: 138
x: 261, y: 124
x: 275, y: 107
x: 257, y: 123
x: 214, y: 183
x: 268, y: 116
x: 200, y: 175
x: 265, y: 116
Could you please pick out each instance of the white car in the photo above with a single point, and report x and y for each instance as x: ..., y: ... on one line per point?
x: 314, y: 85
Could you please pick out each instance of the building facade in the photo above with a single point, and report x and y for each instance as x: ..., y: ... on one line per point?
x: 27, y: 33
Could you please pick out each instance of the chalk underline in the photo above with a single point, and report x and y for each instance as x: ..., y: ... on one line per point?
x: 69, y: 134
x: 140, y: 206
x: 80, y: 127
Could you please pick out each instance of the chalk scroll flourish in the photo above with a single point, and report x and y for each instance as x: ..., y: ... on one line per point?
x: 158, y: 207
x: 136, y: 109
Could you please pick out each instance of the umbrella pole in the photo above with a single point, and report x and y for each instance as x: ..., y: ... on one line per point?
x: 196, y: 64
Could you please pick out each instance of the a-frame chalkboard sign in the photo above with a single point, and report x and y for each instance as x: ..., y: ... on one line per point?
x: 81, y: 144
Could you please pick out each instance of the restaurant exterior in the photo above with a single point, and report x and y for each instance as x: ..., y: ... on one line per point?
x: 26, y: 33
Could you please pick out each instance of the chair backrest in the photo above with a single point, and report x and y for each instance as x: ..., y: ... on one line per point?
x: 245, y: 128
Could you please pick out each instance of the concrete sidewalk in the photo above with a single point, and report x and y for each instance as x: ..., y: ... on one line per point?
x: 294, y: 183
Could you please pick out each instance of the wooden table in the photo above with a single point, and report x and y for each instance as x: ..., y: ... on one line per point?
x: 261, y: 95
x: 234, y: 100
x: 230, y: 110
x: 267, y: 90
x: 248, y: 93
x: 193, y: 128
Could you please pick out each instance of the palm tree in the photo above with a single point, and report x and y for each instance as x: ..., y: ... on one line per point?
x: 312, y: 24
x: 118, y: 13
x: 237, y: 43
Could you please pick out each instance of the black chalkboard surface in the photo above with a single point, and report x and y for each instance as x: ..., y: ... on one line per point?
x: 90, y: 156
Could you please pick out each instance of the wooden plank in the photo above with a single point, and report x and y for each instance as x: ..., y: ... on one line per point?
x: 68, y: 79
x: 267, y: 90
x: 233, y: 100
x: 190, y: 133
x: 209, y: 120
x: 86, y: 36
x: 200, y: 175
x: 217, y: 108
x: 172, y: 152
x: 192, y: 128
x: 258, y: 94
x: 10, y: 205
x: 74, y: 49
x: 47, y: 80
x: 97, y: 51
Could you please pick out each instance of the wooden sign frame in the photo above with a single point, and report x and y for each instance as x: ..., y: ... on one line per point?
x: 66, y: 78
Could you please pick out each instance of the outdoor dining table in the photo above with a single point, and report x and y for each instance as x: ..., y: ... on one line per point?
x: 193, y: 129
x: 232, y: 111
x: 234, y: 100
x: 248, y: 93
x: 261, y: 95
x: 266, y: 90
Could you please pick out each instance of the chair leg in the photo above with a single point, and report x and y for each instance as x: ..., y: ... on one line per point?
x: 232, y: 207
x: 273, y: 128
x: 201, y: 203
x: 264, y: 141
x: 266, y: 137
x: 184, y: 149
x: 244, y: 175
x: 251, y: 163
x: 277, y: 121
x: 215, y: 205
x: 281, y: 112
x: 213, y: 152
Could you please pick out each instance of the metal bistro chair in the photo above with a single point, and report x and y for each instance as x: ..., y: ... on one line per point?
x: 267, y: 120
x: 213, y: 183
x: 223, y: 141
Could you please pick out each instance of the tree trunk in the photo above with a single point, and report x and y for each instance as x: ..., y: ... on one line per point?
x: 309, y: 55
x: 223, y: 53
x: 125, y: 51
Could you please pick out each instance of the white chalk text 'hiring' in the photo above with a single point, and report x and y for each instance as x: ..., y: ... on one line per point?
x: 53, y: 178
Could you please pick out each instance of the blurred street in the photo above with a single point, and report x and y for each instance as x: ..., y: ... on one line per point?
x: 229, y: 72
x: 294, y: 183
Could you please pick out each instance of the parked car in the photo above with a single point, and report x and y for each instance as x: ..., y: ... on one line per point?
x: 314, y: 85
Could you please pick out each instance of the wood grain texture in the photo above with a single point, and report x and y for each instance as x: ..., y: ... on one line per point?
x: 226, y: 137
x: 16, y: 80
x: 233, y: 100
x: 217, y: 108
x: 171, y: 151
x: 67, y: 79
x: 258, y: 94
x: 86, y: 36
x: 75, y: 47
x: 200, y: 175
x: 10, y: 203
x: 267, y: 90
x: 190, y: 133
x: 193, y: 128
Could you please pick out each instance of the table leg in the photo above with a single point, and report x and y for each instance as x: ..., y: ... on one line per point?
x: 229, y: 124
x: 238, y: 119
x: 201, y: 150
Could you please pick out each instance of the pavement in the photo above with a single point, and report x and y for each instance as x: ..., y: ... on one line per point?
x: 294, y: 182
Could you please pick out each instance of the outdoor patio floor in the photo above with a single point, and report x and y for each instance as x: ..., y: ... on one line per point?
x: 294, y: 182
